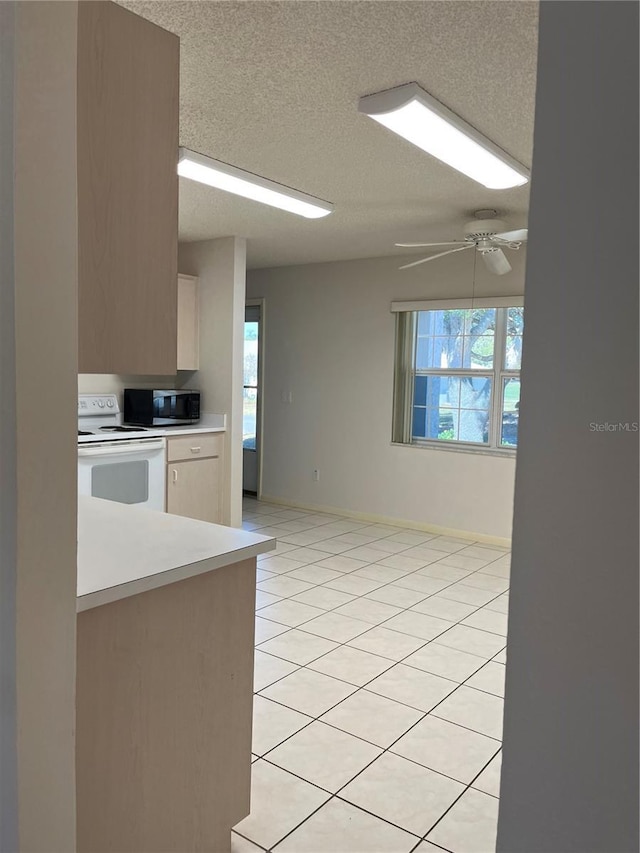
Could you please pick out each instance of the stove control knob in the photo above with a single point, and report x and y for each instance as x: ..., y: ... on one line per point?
x: 101, y: 403
x: 110, y: 404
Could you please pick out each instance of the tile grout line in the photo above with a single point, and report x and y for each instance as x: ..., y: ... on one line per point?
x: 300, y: 627
x: 393, y: 663
x: 425, y: 714
x: 382, y: 586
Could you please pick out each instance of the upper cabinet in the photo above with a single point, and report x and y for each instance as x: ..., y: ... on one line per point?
x: 188, y: 323
x: 128, y: 98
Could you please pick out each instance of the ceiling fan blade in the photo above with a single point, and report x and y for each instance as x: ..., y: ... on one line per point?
x: 496, y: 262
x: 439, y: 255
x: 426, y: 245
x: 517, y: 236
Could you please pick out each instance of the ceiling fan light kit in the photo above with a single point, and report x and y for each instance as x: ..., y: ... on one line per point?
x: 419, y: 118
x: 222, y: 176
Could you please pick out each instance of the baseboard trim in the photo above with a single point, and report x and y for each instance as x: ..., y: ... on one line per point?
x: 397, y: 522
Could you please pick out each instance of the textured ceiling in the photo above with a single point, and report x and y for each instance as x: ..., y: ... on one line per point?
x: 273, y: 87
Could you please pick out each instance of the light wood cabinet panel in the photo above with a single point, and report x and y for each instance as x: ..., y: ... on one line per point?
x: 164, y: 702
x: 193, y: 489
x: 188, y: 323
x: 197, y: 445
x: 128, y: 91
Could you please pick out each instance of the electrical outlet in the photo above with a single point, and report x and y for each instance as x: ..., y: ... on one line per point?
x: 316, y: 474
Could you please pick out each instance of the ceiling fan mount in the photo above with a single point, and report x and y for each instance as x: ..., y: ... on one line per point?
x: 487, y: 235
x: 483, y: 229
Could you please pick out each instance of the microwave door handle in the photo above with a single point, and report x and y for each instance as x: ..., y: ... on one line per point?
x: 113, y: 449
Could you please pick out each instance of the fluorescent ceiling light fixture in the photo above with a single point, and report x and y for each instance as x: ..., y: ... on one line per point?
x: 212, y: 172
x: 418, y: 117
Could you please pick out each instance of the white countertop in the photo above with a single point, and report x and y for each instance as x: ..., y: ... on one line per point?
x: 207, y: 423
x: 125, y: 550
x: 184, y: 430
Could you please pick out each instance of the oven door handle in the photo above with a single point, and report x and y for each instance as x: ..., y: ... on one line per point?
x: 114, y: 449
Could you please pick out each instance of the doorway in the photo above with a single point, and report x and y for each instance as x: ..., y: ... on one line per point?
x: 252, y: 397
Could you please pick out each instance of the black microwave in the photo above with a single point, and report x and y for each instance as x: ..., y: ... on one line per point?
x: 144, y: 407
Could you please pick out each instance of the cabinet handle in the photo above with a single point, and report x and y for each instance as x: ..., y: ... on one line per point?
x: 174, y: 475
x: 196, y: 449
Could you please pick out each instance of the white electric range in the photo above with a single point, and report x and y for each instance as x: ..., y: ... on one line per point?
x: 118, y: 462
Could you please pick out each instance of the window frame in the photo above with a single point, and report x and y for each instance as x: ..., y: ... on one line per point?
x: 405, y: 373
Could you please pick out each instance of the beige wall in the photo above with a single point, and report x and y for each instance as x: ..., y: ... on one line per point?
x: 329, y: 339
x: 221, y: 267
x: 112, y: 383
x: 45, y: 370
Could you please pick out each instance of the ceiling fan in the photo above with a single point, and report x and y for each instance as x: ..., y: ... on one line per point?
x: 488, y: 236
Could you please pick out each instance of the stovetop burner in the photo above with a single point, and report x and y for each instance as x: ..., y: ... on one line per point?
x: 122, y: 429
x: 84, y: 432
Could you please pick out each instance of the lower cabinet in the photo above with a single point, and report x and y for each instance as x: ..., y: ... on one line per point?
x: 195, y: 476
x: 163, y: 711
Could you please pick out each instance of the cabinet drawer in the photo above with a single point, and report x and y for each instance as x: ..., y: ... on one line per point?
x: 195, y: 446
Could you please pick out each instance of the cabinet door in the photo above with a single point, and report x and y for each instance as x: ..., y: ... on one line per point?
x: 193, y: 489
x: 128, y: 80
x: 188, y: 323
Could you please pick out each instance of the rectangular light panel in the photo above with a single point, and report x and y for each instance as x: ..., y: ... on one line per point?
x: 206, y: 170
x: 419, y: 118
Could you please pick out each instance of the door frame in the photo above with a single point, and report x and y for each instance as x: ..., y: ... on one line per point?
x: 260, y: 302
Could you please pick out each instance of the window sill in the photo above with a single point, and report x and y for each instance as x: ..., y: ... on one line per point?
x: 459, y: 448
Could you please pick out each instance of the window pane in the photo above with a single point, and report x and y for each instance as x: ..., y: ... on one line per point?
x: 439, y: 351
x: 480, y: 321
x: 418, y: 426
x: 456, y: 338
x: 425, y: 323
x: 440, y: 338
x: 513, y: 354
x: 424, y: 350
x: 475, y: 392
x: 515, y: 321
x: 443, y: 424
x: 478, y: 351
x: 442, y: 391
x: 457, y: 408
x: 420, y: 390
x: 450, y: 322
x: 250, y: 354
x: 513, y: 348
x: 447, y: 352
x: 474, y: 426
x: 510, y: 412
x: 249, y: 406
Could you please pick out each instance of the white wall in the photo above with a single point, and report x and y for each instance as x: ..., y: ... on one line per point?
x: 329, y: 338
x: 221, y: 267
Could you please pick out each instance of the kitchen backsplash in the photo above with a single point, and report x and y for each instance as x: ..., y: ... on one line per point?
x: 111, y: 383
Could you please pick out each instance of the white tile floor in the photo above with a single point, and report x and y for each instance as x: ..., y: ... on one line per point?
x: 379, y: 680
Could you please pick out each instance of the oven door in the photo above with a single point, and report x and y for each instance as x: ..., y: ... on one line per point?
x: 130, y: 472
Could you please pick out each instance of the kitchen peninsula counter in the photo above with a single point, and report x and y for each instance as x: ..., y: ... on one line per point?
x: 124, y: 550
x: 166, y: 609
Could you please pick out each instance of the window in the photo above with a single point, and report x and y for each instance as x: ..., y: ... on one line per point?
x: 458, y: 374
x: 250, y: 389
